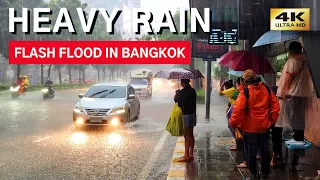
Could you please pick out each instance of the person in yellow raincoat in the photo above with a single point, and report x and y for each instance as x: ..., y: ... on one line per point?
x: 26, y: 82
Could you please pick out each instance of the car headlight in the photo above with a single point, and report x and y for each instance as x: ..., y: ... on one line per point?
x: 118, y: 110
x: 77, y: 109
x: 45, y: 90
x: 14, y: 89
x: 157, y: 81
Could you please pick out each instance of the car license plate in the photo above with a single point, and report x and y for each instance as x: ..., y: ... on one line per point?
x: 96, y: 119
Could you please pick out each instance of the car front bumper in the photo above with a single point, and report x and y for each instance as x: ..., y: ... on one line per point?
x: 98, y: 120
x: 143, y: 93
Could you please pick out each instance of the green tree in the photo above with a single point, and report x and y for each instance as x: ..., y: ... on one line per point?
x: 70, y: 67
x: 98, y: 68
x: 58, y: 68
x: 104, y: 69
x: 5, y: 35
x: 112, y: 68
x: 167, y: 35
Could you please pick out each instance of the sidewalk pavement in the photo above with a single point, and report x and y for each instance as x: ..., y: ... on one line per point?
x: 214, y: 161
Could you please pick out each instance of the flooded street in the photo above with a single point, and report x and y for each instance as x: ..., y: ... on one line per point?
x: 39, y: 141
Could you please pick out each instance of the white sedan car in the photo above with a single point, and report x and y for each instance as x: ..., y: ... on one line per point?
x: 105, y: 104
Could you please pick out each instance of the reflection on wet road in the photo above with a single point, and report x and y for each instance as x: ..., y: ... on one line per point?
x: 38, y: 141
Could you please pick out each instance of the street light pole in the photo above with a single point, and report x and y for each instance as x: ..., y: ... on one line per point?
x: 208, y: 88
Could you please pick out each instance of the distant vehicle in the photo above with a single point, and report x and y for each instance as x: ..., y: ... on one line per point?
x: 107, y: 104
x: 141, y: 81
x: 47, y: 94
x: 16, y: 91
x: 174, y: 83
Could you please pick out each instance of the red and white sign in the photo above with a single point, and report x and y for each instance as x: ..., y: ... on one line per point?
x: 99, y: 52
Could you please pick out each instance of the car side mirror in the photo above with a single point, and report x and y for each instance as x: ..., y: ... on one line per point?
x: 132, y: 96
x: 81, y: 95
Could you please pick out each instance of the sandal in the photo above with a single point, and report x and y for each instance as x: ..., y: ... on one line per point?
x: 242, y: 165
x: 273, y: 165
x: 184, y: 159
x: 233, y: 148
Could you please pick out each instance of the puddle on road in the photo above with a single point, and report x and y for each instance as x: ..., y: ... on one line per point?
x: 141, y: 127
x: 224, y: 141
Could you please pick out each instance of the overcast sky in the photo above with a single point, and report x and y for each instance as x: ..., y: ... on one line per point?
x: 158, y: 6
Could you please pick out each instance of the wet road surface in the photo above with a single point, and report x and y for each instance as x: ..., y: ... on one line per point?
x: 38, y: 141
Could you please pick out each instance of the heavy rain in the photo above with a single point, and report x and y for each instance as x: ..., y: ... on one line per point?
x: 246, y: 105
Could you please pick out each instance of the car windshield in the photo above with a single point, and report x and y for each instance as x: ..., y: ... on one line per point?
x: 139, y: 82
x: 106, y: 92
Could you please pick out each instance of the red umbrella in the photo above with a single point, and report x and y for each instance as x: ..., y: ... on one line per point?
x: 243, y: 60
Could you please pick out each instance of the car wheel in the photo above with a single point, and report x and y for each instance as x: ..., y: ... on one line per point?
x: 138, y: 114
x: 128, y: 116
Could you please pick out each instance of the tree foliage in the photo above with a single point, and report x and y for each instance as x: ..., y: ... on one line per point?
x: 167, y: 35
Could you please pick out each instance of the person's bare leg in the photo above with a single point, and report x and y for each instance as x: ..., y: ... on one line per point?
x: 186, y: 145
x: 274, y: 160
x: 185, y: 157
x: 192, y: 141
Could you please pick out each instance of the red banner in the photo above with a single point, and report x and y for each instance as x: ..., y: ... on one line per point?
x: 99, y: 52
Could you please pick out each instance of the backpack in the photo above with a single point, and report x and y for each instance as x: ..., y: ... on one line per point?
x: 235, y: 95
x: 246, y: 93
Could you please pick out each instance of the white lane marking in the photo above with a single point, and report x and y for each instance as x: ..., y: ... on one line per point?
x: 42, y: 139
x: 235, y: 163
x: 153, y: 158
x: 36, y: 110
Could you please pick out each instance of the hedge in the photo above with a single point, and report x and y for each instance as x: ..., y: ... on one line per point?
x: 56, y: 87
x: 200, y: 96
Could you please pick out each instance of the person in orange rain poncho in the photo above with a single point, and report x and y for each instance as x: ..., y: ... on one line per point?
x: 256, y: 112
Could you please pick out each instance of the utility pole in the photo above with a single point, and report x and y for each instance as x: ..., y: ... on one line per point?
x: 208, y: 88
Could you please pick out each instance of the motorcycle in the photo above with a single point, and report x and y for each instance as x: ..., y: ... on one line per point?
x: 16, y: 91
x: 47, y: 94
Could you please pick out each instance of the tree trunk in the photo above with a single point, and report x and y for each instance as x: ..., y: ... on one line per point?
x: 41, y: 78
x: 79, y: 75
x: 59, y: 74
x: 110, y: 75
x: 18, y: 70
x: 104, y: 75
x: 83, y: 76
x: 69, y: 71
x: 98, y: 71
x: 49, y: 70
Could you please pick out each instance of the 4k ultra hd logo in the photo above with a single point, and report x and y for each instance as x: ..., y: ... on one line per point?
x: 294, y: 19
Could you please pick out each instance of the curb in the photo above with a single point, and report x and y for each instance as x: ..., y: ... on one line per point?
x: 177, y: 170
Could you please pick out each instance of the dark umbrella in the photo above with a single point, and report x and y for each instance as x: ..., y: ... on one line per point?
x: 196, y: 72
x: 243, y: 60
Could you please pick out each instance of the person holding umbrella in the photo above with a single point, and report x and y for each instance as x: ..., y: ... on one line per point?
x: 187, y: 100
